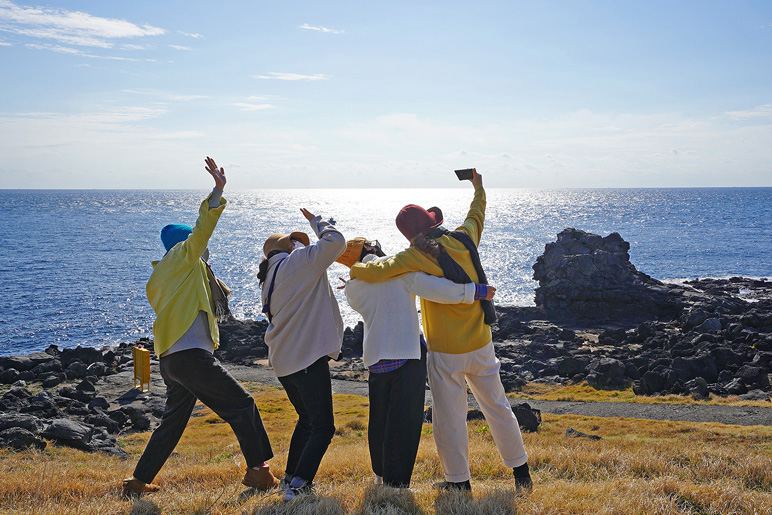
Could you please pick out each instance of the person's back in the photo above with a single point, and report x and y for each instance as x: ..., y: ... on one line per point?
x: 305, y: 322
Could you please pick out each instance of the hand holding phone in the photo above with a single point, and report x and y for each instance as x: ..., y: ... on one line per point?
x: 465, y: 175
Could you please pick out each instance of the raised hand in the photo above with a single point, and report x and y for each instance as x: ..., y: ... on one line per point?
x: 344, y: 284
x: 476, y: 178
x: 308, y: 214
x: 217, y: 174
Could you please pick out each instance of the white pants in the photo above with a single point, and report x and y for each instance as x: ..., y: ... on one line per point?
x: 448, y: 377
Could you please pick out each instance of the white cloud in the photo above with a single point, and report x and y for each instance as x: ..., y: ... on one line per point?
x: 253, y: 107
x: 763, y: 111
x: 6, y: 43
x: 291, y: 76
x: 321, y: 29
x: 164, y: 95
x: 180, y: 47
x: 190, y: 34
x: 71, y: 27
x: 133, y: 47
x: 74, y: 51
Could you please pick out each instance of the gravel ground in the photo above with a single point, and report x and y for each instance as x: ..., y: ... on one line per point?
x: 118, y: 388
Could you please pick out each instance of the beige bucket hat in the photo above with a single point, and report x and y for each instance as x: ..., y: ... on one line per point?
x: 279, y: 241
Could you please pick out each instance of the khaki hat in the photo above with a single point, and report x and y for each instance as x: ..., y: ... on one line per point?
x: 279, y: 241
x: 353, y: 251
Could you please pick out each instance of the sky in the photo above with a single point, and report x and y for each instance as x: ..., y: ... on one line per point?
x: 352, y: 94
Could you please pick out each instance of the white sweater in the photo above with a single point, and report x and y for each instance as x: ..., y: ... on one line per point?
x: 306, y: 321
x: 389, y: 311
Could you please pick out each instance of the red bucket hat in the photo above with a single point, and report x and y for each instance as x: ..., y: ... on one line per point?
x: 413, y: 220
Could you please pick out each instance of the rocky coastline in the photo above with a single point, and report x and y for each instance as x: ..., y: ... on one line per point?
x: 597, y: 319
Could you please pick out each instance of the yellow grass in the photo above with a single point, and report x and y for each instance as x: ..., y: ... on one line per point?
x: 639, y: 467
x: 586, y: 393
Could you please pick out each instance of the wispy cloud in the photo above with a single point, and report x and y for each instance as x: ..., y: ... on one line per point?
x: 164, y: 95
x: 133, y: 47
x: 5, y: 43
x: 321, y: 29
x: 762, y: 111
x: 253, y: 107
x: 70, y: 27
x: 190, y: 34
x: 74, y: 51
x: 291, y: 76
x: 180, y: 47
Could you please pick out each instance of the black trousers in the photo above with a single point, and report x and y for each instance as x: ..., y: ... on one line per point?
x: 396, y: 418
x: 310, y: 392
x: 196, y: 374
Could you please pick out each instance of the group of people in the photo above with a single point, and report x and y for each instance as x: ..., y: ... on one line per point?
x: 305, y: 331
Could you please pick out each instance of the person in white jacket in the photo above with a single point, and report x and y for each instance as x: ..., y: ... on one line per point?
x: 395, y: 354
x: 305, y: 330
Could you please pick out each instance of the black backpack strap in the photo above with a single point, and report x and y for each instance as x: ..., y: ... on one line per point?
x: 267, y: 305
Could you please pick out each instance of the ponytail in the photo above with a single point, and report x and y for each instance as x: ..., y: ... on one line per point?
x: 262, y: 270
x: 427, y: 245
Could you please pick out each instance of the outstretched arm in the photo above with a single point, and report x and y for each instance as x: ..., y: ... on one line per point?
x: 475, y: 218
x: 219, y: 182
x: 208, y: 214
x: 331, y: 242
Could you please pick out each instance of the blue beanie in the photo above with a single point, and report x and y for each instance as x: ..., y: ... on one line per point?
x: 172, y: 234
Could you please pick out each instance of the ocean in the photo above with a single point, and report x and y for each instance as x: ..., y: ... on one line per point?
x: 76, y: 261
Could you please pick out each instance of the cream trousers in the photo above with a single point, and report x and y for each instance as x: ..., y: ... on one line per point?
x: 448, y: 376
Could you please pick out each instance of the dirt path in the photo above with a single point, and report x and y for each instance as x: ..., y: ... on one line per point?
x: 118, y: 388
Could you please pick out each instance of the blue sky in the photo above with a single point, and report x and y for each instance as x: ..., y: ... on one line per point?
x: 296, y: 94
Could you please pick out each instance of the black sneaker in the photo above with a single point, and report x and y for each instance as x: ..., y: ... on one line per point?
x: 523, y: 479
x: 450, y: 485
x: 291, y: 492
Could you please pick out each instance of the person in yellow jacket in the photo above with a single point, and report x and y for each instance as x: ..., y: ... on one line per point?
x: 186, y: 335
x: 458, y: 337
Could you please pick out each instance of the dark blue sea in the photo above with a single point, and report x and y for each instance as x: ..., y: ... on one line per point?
x: 75, y: 262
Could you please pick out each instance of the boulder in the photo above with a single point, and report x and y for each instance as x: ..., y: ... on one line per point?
x: 86, y: 355
x: 25, y: 421
x: 711, y: 325
x: 571, y: 366
x: 605, y: 372
x: 20, y: 438
x: 573, y: 433
x: 528, y: 418
x: 69, y: 432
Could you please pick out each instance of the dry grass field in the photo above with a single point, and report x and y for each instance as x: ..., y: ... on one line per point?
x: 639, y: 467
x: 585, y: 393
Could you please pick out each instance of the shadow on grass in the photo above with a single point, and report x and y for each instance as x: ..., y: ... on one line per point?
x: 308, y: 504
x: 144, y: 506
x: 488, y: 502
x: 383, y: 500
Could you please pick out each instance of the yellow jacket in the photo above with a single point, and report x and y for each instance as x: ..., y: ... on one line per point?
x: 449, y: 328
x: 178, y: 288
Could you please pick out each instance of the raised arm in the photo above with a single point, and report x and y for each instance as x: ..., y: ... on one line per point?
x: 208, y: 214
x: 475, y: 218
x: 331, y: 242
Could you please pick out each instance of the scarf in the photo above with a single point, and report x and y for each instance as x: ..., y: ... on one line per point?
x: 220, y: 294
x: 453, y: 271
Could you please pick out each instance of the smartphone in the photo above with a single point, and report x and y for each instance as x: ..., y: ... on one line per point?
x: 465, y: 174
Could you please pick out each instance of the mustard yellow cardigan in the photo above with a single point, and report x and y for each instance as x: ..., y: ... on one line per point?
x: 178, y: 288
x: 449, y: 328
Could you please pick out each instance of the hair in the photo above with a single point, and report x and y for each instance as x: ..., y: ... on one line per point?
x: 262, y: 271
x: 427, y: 245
